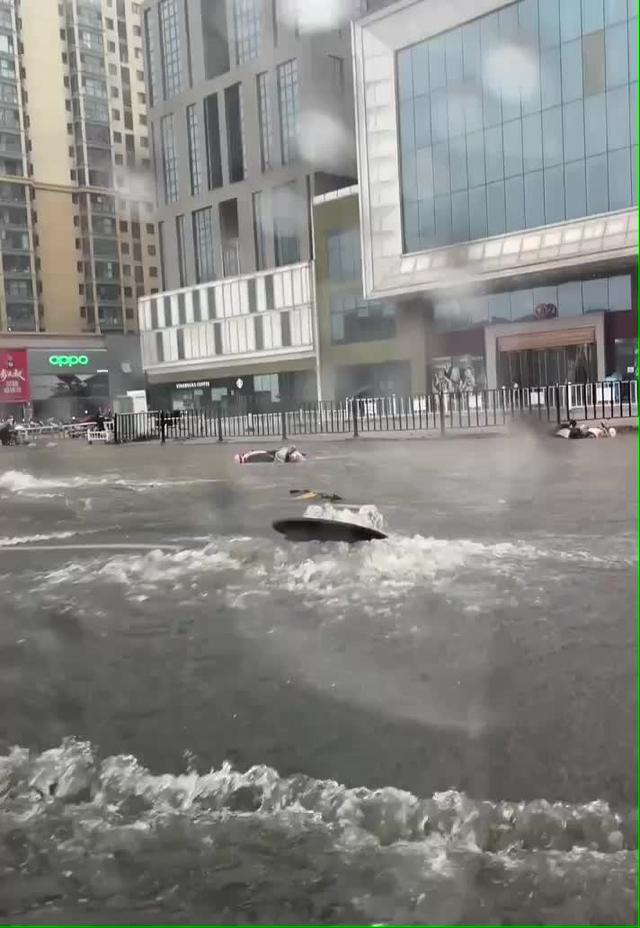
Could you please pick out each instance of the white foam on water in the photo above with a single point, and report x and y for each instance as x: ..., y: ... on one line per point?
x: 267, y: 842
x: 142, y: 485
x: 154, y: 566
x: 368, y: 515
x: 24, y: 483
x: 17, y: 481
x: 389, y: 814
x: 100, y: 546
x: 32, y: 539
x: 371, y: 574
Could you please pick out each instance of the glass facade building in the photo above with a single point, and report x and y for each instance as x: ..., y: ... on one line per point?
x: 353, y: 319
x: 523, y: 117
x: 572, y: 298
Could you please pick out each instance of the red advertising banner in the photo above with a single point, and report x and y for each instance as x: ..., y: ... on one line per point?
x: 14, y: 376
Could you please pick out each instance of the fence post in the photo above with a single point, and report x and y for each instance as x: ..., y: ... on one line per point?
x: 354, y: 416
x: 283, y: 424
x: 442, y: 418
x: 163, y: 427
x: 219, y: 425
x: 558, y: 405
x: 116, y: 431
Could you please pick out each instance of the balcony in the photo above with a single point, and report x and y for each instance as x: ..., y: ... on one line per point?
x: 262, y: 317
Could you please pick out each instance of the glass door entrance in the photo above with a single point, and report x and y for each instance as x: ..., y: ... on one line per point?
x: 539, y: 367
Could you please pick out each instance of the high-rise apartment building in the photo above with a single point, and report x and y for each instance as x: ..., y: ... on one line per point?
x: 77, y: 240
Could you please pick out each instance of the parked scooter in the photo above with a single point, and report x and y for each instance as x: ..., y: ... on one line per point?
x: 8, y: 433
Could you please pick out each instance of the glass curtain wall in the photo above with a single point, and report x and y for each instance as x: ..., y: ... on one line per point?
x: 523, y: 117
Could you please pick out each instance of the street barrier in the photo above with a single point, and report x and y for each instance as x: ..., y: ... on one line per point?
x: 432, y: 412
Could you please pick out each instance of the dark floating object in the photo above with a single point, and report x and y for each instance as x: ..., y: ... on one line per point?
x: 326, y: 530
x: 315, y: 494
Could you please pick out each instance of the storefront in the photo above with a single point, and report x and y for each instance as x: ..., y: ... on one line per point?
x: 391, y: 378
x: 68, y: 383
x: 65, y: 377
x: 236, y: 395
x: 15, y: 388
x: 573, y: 332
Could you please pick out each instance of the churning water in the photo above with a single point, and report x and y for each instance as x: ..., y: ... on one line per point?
x: 215, y: 725
x: 107, y: 835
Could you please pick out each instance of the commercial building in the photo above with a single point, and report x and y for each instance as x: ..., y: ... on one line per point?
x: 251, y: 109
x: 497, y: 164
x: 232, y: 343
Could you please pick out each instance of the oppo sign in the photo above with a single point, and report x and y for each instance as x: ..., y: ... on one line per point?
x: 68, y: 360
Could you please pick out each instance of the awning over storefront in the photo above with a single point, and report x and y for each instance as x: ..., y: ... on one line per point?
x: 550, y: 338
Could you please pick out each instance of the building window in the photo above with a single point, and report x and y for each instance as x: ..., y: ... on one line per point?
x: 170, y: 48
x: 169, y: 159
x: 195, y: 159
x: 336, y: 70
x: 285, y: 225
x: 550, y: 139
x: 182, y: 250
x: 187, y: 29
x: 288, y: 105
x: 212, y: 133
x: 259, y: 231
x: 235, y: 133
x: 343, y: 255
x: 354, y: 319
x: 265, y: 121
x: 151, y: 56
x: 246, y: 21
x: 203, y: 244
x: 572, y: 298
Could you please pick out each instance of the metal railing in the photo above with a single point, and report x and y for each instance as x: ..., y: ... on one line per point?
x: 443, y: 412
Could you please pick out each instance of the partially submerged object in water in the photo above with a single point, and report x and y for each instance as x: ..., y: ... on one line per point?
x: 287, y: 455
x: 325, y: 522
x: 307, y: 529
x: 573, y: 430
x: 316, y: 495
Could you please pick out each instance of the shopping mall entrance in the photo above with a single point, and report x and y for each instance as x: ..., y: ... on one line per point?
x: 538, y: 354
x: 538, y: 367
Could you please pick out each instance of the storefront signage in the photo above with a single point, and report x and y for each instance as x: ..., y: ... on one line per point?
x: 68, y: 360
x: 192, y: 385
x: 14, y: 377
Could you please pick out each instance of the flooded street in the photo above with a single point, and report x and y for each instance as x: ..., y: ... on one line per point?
x: 203, y: 721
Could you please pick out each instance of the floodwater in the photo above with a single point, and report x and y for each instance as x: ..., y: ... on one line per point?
x: 202, y: 722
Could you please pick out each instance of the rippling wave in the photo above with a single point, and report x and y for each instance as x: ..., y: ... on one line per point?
x: 91, y: 838
x: 26, y: 484
x: 82, y: 834
x: 371, y: 575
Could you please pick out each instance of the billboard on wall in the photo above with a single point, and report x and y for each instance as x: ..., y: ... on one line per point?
x: 14, y: 376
